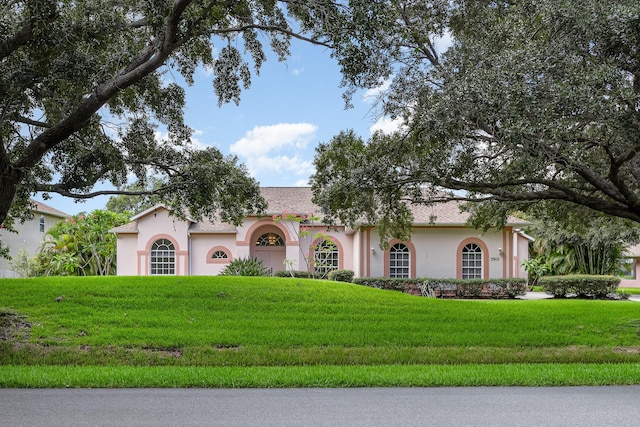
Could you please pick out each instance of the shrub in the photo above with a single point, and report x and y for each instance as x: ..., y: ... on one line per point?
x: 245, y: 267
x: 450, y: 288
x: 583, y: 286
x: 341, y: 275
x: 386, y: 283
x: 299, y: 274
x: 476, y: 288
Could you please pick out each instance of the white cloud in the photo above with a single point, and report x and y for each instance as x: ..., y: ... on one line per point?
x: 386, y: 125
x: 444, y: 42
x: 383, y: 123
x: 197, y: 142
x: 162, y: 137
x: 302, y: 182
x: 265, y: 139
x: 371, y: 95
x: 277, y: 150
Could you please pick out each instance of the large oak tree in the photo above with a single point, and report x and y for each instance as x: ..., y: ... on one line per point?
x: 533, y: 101
x: 85, y: 83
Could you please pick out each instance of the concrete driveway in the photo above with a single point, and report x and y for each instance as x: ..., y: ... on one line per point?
x: 542, y: 295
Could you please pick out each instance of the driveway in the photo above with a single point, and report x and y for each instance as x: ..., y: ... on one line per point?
x: 542, y: 295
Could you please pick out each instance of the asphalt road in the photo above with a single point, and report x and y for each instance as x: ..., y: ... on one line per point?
x: 353, y: 407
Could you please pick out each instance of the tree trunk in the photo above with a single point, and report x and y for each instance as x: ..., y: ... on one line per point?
x: 9, y: 179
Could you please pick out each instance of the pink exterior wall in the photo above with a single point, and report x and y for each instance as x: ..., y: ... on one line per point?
x: 127, y: 253
x: 202, y: 248
x: 435, y: 250
x: 343, y: 241
x: 523, y: 254
x: 632, y: 283
x: 154, y: 225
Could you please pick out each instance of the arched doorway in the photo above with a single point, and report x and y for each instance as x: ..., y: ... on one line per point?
x: 268, y: 245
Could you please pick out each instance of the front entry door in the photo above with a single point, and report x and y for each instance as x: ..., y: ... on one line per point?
x: 272, y: 257
x: 270, y: 249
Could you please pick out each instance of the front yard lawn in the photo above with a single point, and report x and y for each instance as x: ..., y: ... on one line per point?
x: 242, y: 331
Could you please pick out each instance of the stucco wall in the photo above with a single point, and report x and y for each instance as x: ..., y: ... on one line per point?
x: 437, y: 250
x: 523, y: 254
x: 202, y: 248
x: 633, y: 283
x: 28, y: 237
x: 158, y: 225
x: 127, y: 253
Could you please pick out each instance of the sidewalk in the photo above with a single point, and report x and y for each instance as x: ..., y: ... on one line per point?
x: 534, y: 295
x: 542, y: 295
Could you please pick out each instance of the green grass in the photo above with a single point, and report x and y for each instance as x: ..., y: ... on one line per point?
x: 321, y: 376
x: 271, y: 332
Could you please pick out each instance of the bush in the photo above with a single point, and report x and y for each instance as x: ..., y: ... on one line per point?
x: 245, y: 267
x: 476, y: 288
x: 583, y: 286
x: 388, y: 284
x: 299, y: 274
x: 450, y: 288
x: 341, y: 275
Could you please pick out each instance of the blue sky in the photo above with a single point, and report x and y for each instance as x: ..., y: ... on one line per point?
x: 289, y: 109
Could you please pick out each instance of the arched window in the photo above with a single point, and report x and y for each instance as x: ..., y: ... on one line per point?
x: 326, y: 257
x: 163, y: 257
x: 270, y: 239
x: 219, y: 255
x: 399, y: 261
x: 471, y: 261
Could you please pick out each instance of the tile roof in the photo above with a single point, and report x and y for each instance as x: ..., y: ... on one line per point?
x: 290, y: 199
x: 298, y: 200
x: 206, y: 226
x: 130, y: 227
x: 448, y: 213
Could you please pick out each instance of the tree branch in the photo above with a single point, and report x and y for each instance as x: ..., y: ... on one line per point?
x: 150, y: 58
x: 555, y: 191
x: 28, y: 121
x: 58, y: 189
x: 290, y: 33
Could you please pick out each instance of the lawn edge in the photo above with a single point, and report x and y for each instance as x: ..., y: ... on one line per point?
x: 330, y: 376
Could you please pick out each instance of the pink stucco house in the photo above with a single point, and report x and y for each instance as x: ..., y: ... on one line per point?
x: 441, y: 246
x: 632, y: 278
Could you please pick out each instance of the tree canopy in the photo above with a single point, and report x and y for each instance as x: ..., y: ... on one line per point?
x: 80, y: 246
x: 533, y: 101
x: 567, y: 243
x: 84, y: 85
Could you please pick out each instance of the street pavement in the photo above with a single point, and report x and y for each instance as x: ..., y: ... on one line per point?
x: 353, y: 407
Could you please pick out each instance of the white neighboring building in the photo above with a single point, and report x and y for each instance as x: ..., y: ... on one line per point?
x: 441, y: 245
x: 29, y: 234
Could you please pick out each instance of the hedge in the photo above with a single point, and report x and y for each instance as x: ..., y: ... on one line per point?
x: 582, y: 286
x: 300, y: 274
x: 341, y: 275
x: 450, y: 288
